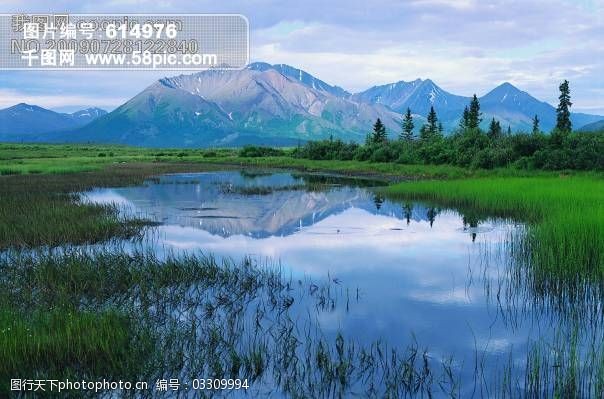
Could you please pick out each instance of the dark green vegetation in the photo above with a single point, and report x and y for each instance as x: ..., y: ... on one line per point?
x: 471, y: 147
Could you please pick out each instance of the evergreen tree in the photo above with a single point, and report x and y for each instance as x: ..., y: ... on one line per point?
x: 424, y: 133
x: 379, y: 132
x: 474, y: 114
x: 494, y: 130
x: 440, y: 128
x: 408, y: 126
x: 465, y: 118
x: 509, y: 130
x: 563, y: 123
x: 432, y: 122
x: 536, y: 129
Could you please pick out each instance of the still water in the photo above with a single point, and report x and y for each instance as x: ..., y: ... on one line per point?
x: 406, y: 273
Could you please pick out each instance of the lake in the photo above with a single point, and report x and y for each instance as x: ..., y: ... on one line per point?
x: 412, y: 277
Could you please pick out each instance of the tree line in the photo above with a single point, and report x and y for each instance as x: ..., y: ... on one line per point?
x: 470, y: 146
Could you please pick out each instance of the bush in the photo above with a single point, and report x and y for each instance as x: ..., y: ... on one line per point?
x: 256, y: 151
x: 469, y: 148
x: 327, y: 150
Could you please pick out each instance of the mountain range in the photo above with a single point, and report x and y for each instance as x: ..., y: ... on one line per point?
x: 593, y: 127
x: 268, y: 104
x: 24, y: 122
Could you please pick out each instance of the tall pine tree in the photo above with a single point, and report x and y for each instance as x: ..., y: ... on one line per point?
x: 379, y: 132
x: 432, y: 122
x: 408, y: 126
x: 465, y: 118
x: 474, y: 114
x: 563, y: 123
x: 430, y: 130
x: 495, y: 131
x: 536, y: 128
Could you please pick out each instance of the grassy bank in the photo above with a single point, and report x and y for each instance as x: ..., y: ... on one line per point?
x: 565, y: 215
x: 18, y: 159
x: 45, y: 210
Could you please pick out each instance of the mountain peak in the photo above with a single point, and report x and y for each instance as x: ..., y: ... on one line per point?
x: 89, y: 113
x: 301, y: 76
x: 24, y: 106
x: 507, y: 93
x: 506, y: 87
x: 259, y: 66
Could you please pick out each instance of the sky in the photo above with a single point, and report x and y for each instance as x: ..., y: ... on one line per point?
x: 464, y: 46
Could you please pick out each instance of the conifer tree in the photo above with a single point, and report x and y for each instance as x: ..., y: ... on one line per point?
x: 536, y: 129
x: 474, y: 114
x: 432, y: 122
x: 408, y: 126
x: 379, y: 132
x: 563, y: 123
x: 494, y: 130
x: 463, y: 123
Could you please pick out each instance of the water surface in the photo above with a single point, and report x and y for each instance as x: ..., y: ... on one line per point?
x: 403, y: 272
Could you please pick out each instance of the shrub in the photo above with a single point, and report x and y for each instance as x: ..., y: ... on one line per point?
x: 257, y: 151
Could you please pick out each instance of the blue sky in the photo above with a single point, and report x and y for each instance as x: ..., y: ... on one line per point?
x: 465, y: 46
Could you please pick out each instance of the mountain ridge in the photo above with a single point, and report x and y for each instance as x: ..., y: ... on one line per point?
x: 283, y: 105
x: 26, y: 121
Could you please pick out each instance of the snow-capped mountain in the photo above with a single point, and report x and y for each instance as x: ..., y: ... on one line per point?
x: 418, y: 95
x: 302, y: 76
x: 506, y: 103
x: 259, y: 104
x: 87, y: 115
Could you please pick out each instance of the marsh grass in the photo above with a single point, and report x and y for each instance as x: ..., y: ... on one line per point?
x: 565, y: 216
x: 46, y: 209
x: 60, y: 344
x: 105, y: 313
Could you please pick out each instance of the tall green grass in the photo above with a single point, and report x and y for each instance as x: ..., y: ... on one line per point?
x: 565, y: 216
x: 46, y: 209
x: 59, y: 344
x: 106, y: 313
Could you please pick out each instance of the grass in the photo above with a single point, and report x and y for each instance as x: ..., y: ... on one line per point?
x: 109, y: 314
x: 565, y: 215
x: 58, y: 344
x: 45, y: 209
x: 67, y: 158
